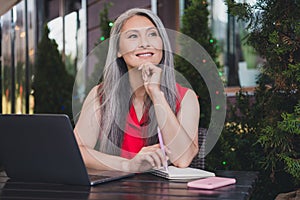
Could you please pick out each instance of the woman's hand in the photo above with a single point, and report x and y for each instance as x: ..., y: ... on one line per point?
x: 151, y: 75
x: 148, y: 158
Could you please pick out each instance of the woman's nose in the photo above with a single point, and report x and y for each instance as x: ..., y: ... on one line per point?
x: 144, y: 43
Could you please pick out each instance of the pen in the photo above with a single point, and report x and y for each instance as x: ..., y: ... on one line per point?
x: 162, y: 146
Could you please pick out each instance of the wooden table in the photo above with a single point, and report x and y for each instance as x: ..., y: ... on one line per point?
x: 140, y: 186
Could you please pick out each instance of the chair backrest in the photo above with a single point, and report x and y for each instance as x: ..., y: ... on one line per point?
x: 199, y: 160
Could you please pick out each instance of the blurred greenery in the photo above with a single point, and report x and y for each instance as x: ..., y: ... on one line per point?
x: 195, y: 25
x: 52, y: 84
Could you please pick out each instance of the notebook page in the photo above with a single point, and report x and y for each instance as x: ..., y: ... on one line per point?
x: 182, y: 173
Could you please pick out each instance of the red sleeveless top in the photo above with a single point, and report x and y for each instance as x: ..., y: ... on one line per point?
x: 132, y: 140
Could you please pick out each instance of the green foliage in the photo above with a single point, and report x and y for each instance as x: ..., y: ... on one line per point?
x: 283, y: 140
x: 240, y: 147
x: 241, y: 10
x: 52, y: 84
x: 195, y: 25
x: 291, y: 122
x: 292, y: 166
x: 105, y: 21
x: 70, y: 65
x: 272, y: 143
x: 237, y: 147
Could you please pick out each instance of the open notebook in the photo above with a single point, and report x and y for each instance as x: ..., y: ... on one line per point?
x: 182, y: 173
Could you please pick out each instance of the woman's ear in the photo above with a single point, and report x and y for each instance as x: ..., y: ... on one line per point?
x: 119, y: 55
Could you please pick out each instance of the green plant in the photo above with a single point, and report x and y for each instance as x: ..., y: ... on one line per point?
x: 273, y: 117
x: 237, y: 147
x: 195, y: 25
x: 52, y: 84
x: 284, y: 140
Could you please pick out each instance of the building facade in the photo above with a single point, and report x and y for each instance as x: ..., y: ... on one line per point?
x: 75, y: 26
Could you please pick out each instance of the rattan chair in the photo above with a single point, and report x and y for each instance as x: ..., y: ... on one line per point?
x: 199, y: 160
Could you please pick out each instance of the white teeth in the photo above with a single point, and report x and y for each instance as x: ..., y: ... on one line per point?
x: 145, y: 55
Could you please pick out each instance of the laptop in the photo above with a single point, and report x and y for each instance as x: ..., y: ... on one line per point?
x: 43, y: 148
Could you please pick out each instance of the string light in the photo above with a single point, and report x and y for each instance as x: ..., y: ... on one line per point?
x: 204, y: 61
x: 220, y: 74
x: 110, y: 24
x: 102, y: 38
x: 224, y: 163
x: 211, y: 41
x: 218, y: 107
x: 217, y: 92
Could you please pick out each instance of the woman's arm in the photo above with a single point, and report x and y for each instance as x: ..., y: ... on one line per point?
x: 180, y: 133
x: 87, y: 130
x: 148, y: 158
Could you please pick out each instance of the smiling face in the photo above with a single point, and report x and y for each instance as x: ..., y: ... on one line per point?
x: 140, y: 42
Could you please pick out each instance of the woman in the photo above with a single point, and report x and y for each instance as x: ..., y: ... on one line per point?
x: 118, y: 125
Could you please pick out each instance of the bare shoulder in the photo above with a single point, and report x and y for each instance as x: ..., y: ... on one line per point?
x: 93, y: 92
x: 190, y: 102
x: 189, y: 96
x: 92, y: 98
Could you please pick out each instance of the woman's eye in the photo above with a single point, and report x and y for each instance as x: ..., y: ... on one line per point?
x: 132, y: 36
x: 153, y: 34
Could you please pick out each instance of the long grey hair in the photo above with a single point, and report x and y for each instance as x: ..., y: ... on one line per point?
x: 115, y: 93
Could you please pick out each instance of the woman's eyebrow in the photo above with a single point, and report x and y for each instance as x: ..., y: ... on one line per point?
x: 131, y: 30
x: 150, y: 28
x: 138, y: 29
